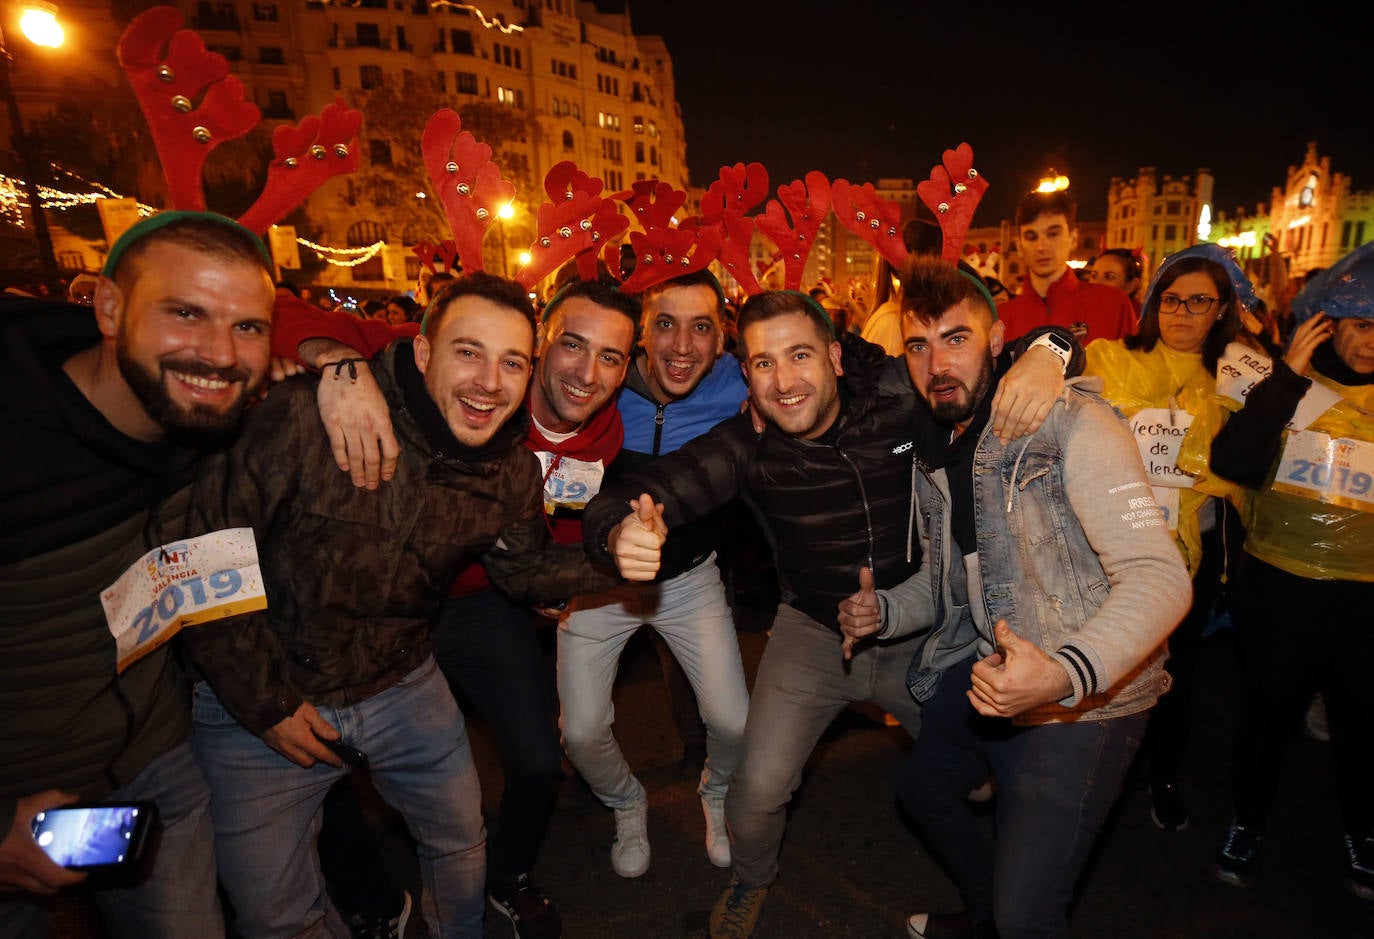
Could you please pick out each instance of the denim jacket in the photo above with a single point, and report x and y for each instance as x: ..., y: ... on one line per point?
x: 1072, y: 552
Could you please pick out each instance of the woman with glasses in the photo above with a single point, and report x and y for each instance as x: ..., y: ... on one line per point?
x: 1163, y: 380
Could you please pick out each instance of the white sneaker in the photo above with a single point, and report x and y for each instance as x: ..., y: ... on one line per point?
x: 630, y: 850
x: 717, y: 837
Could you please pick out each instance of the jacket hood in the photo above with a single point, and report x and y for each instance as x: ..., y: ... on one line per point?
x: 1240, y: 284
x: 1345, y: 290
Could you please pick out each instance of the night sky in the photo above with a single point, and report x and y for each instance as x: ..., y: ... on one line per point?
x: 865, y: 89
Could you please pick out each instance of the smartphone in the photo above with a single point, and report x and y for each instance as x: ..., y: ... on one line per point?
x: 352, y: 756
x: 95, y: 836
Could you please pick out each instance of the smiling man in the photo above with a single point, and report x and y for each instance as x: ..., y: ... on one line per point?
x: 1051, y: 293
x: 107, y: 411
x: 830, y: 477
x: 680, y: 386
x: 352, y: 578
x: 484, y: 642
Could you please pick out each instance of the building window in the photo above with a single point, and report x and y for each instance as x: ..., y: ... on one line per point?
x: 465, y: 83
x: 639, y: 151
x: 401, y: 39
x: 441, y: 81
x: 277, y: 108
x: 653, y: 129
x: 370, y: 76
x: 1170, y: 232
x: 265, y: 12
x: 639, y: 123
x: 338, y: 80
x: 568, y: 140
x: 512, y: 96
x: 271, y: 55
x: 653, y: 155
x: 369, y: 35
x: 379, y: 152
x: 577, y: 110
x: 460, y: 42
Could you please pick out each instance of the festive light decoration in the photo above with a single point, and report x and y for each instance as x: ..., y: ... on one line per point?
x: 14, y: 199
x: 343, y: 257
x: 488, y: 23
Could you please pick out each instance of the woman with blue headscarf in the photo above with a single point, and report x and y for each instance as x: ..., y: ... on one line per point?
x: 1303, y: 444
x: 1163, y: 380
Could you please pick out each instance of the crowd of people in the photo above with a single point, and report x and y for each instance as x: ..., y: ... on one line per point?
x: 1005, y: 520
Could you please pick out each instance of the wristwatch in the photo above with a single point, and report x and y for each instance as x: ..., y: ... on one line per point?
x: 1056, y: 344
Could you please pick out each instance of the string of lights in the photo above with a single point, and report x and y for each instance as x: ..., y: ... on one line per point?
x: 14, y: 199
x: 488, y: 23
x: 343, y: 257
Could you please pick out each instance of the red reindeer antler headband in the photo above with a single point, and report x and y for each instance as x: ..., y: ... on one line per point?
x: 170, y: 70
x: 953, y: 192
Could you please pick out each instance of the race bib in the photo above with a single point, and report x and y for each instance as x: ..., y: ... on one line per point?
x: 571, y: 484
x: 1241, y: 368
x: 1332, y: 470
x: 182, y: 584
x: 1159, y: 434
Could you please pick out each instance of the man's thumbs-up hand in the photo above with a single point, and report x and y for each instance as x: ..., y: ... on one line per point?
x: 860, y: 613
x: 1019, y: 677
x: 637, y: 542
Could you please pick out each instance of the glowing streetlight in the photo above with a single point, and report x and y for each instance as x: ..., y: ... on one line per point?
x: 506, y: 211
x: 1054, y: 182
x: 524, y: 258
x: 38, y: 23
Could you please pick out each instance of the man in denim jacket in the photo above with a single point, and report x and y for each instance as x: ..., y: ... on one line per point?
x: 1050, y: 585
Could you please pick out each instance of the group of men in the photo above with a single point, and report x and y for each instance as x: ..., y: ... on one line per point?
x: 964, y: 542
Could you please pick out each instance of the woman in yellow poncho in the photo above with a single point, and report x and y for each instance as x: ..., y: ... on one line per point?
x: 1303, y: 599
x: 1163, y: 378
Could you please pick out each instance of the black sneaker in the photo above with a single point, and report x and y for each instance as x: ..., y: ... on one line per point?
x: 1167, y: 809
x: 1238, y: 858
x: 948, y: 926
x: 1359, y: 870
x: 380, y: 925
x: 532, y: 914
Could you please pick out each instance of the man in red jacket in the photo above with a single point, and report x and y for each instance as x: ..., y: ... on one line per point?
x: 484, y: 643
x: 1051, y: 293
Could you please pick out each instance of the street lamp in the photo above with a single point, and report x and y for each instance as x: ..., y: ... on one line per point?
x: 1054, y: 182
x: 39, y: 24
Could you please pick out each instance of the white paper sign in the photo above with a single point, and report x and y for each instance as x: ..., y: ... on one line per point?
x: 1328, y: 469
x: 181, y: 584
x: 1159, y: 434
x: 1241, y: 368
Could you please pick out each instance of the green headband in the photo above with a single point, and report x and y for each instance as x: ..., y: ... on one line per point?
x: 814, y: 304
x: 160, y: 220
x: 983, y: 289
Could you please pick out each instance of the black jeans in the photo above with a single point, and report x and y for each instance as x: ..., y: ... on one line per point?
x: 1297, y: 636
x: 1055, y: 785
x: 488, y: 649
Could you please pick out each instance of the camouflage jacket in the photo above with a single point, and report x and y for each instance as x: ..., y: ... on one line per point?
x: 354, y: 577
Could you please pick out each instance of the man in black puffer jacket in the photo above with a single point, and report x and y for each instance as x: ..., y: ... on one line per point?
x: 831, y: 479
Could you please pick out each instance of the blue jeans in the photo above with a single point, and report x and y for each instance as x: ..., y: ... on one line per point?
x: 178, y: 898
x: 267, y: 809
x: 802, y: 685
x: 488, y: 650
x: 691, y: 614
x: 1055, y: 785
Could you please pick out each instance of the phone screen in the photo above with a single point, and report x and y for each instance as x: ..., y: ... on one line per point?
x: 86, y: 836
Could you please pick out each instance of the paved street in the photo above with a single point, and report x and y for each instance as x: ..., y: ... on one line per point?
x: 850, y: 868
